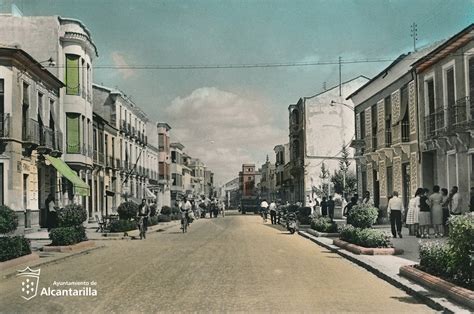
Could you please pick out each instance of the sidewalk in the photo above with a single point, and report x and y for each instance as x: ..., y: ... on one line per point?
x: 387, y: 267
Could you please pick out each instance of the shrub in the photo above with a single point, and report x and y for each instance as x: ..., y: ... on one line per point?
x: 304, y: 215
x: 67, y: 235
x: 122, y: 225
x: 434, y: 258
x: 461, y: 262
x: 71, y: 215
x: 175, y: 216
x: 127, y: 210
x: 152, y: 210
x: 174, y: 210
x: 164, y: 218
x: 153, y: 220
x: 324, y: 224
x: 8, y: 219
x: 13, y: 247
x: 166, y: 210
x: 362, y: 216
x: 370, y: 238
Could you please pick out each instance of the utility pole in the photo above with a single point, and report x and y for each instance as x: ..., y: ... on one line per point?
x: 414, y: 34
x: 340, y: 77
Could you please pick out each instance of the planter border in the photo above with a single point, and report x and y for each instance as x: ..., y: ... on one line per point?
x: 459, y: 294
x: 19, y: 260
x: 69, y: 248
x: 356, y: 249
x: 317, y: 233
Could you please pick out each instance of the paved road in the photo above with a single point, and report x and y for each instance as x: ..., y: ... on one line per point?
x: 227, y: 264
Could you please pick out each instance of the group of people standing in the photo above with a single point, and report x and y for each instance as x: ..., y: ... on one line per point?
x: 272, y: 208
x: 427, y: 210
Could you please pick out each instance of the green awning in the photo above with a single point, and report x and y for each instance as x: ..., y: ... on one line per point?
x: 80, y: 187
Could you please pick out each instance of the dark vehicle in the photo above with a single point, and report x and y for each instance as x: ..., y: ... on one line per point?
x: 249, y: 204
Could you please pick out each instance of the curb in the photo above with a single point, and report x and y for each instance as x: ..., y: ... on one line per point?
x: 120, y: 235
x: 69, y: 248
x: 322, y: 234
x: 57, y: 260
x: 18, y: 261
x: 457, y: 293
x: 414, y: 290
x: 360, y: 250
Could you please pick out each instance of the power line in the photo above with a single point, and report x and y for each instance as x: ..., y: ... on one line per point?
x: 246, y: 66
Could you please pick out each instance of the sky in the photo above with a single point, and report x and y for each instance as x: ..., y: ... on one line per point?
x: 227, y: 117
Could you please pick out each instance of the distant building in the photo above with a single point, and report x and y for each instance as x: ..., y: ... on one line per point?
x: 320, y: 126
x: 282, y: 186
x: 230, y: 193
x: 268, y: 181
x: 164, y: 165
x: 177, y: 164
x: 247, y: 180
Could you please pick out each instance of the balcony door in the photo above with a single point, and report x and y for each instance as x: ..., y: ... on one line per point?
x: 2, y: 193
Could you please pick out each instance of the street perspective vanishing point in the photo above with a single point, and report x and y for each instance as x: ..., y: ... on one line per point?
x: 236, y: 156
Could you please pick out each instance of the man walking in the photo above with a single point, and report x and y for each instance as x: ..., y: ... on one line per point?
x: 395, y: 209
x: 273, y: 212
x: 455, y: 201
x: 263, y: 209
x: 331, y: 206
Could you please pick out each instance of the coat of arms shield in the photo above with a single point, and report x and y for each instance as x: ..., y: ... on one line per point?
x: 29, y: 282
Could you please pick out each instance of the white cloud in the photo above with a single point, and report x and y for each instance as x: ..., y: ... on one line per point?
x: 119, y: 60
x: 224, y: 129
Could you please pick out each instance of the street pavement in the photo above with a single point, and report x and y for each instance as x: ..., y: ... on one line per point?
x: 229, y: 264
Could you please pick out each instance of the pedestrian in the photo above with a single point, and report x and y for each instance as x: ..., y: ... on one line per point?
x: 424, y: 216
x: 455, y: 203
x: 413, y: 213
x: 331, y: 205
x: 436, y: 204
x: 223, y: 209
x: 263, y: 209
x: 350, y: 205
x: 395, y: 211
x: 272, y: 207
x: 52, y: 217
x: 356, y: 196
x: 143, y: 212
x: 367, y: 200
x: 445, y: 206
x: 324, y: 207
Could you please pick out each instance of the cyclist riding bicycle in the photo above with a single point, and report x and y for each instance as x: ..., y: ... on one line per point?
x: 263, y: 209
x: 185, y: 209
x: 143, y: 212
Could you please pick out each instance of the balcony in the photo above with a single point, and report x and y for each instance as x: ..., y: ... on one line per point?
x: 374, y: 142
x: 4, y: 125
x: 46, y: 140
x: 123, y: 126
x: 405, y: 125
x: 110, y: 162
x: 459, y: 117
x: 388, y: 137
x: 101, y: 158
x: 129, y: 129
x: 96, y: 156
x: 118, y: 163
x: 31, y: 132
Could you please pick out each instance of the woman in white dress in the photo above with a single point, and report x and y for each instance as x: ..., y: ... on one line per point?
x: 436, y: 204
x: 413, y: 212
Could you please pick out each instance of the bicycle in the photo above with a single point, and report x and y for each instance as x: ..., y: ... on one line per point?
x: 142, y: 227
x: 184, y: 223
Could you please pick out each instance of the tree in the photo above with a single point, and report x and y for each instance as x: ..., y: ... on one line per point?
x: 324, y: 188
x: 343, y: 179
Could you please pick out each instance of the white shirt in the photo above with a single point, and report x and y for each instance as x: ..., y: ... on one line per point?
x: 395, y: 203
x: 273, y: 206
x: 455, y: 208
x: 264, y: 204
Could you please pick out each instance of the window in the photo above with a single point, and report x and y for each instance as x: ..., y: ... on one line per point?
x: 73, y: 133
x: 83, y: 74
x: 390, y: 181
x: 72, y: 75
x: 471, y: 81
x: 388, y: 121
x: 362, y: 125
x: 450, y: 93
x: 26, y: 94
x: 2, y: 193
x: 2, y: 118
x: 161, y: 142
x: 430, y: 99
x: 25, y: 191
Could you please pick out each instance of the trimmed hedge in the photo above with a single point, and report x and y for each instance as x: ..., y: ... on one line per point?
x: 13, y: 247
x: 175, y: 216
x: 369, y: 238
x: 8, y: 220
x: 152, y: 210
x: 71, y: 215
x: 164, y: 218
x: 362, y: 216
x: 324, y: 224
x: 122, y: 225
x: 304, y: 215
x: 166, y: 210
x: 153, y: 221
x: 452, y: 261
x: 67, y: 235
x: 127, y: 210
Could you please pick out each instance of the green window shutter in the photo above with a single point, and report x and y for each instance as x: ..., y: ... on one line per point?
x: 72, y: 135
x: 72, y: 75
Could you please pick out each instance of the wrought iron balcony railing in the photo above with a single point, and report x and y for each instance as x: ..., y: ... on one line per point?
x: 388, y: 137
x: 4, y: 125
x: 405, y: 125
x: 101, y: 157
x: 31, y: 132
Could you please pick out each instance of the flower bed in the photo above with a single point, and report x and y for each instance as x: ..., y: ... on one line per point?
x: 11, y: 247
x: 70, y: 229
x: 357, y: 249
x: 69, y: 248
x: 459, y: 294
x: 123, y: 225
x: 324, y: 225
x: 369, y: 238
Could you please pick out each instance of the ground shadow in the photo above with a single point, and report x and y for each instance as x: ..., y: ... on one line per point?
x: 408, y: 299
